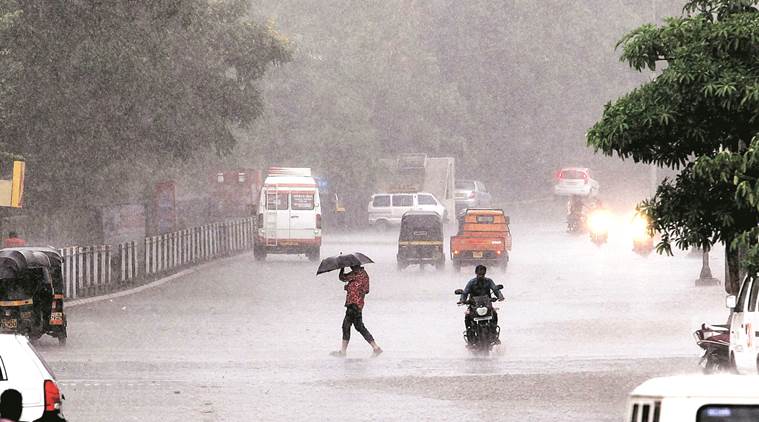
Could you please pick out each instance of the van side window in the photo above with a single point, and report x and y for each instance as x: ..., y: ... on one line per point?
x: 277, y: 200
x: 3, y: 374
x: 426, y: 200
x: 752, y: 297
x: 403, y: 201
x: 740, y: 303
x: 381, y: 201
x: 657, y: 411
x: 644, y: 413
x: 634, y: 417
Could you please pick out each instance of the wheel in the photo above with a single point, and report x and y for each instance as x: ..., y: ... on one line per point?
x: 440, y: 265
x: 259, y: 253
x: 457, y: 266
x: 505, y: 263
x: 62, y: 339
x: 382, y: 226
x: 401, y: 265
x: 314, y: 255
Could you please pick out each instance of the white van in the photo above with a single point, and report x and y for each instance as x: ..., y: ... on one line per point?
x: 289, y: 214
x: 696, y: 398
x: 386, y: 209
x: 744, y: 327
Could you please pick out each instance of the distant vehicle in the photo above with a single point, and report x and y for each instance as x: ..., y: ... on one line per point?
x: 744, y: 327
x: 421, y: 240
x: 31, y: 292
x: 697, y: 398
x: 599, y: 223
x: 289, y: 215
x: 386, y: 209
x: 575, y: 181
x: 471, y: 194
x: 24, y: 370
x: 484, y: 237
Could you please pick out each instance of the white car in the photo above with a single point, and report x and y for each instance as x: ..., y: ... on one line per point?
x: 23, y: 369
x: 575, y: 181
x: 697, y: 398
x: 744, y: 327
x: 386, y: 209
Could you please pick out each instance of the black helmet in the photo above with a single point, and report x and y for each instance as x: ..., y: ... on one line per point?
x: 480, y: 268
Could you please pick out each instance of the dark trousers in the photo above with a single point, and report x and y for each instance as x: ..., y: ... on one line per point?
x: 353, y: 317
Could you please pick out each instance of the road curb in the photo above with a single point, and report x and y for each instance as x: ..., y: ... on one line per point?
x: 148, y: 286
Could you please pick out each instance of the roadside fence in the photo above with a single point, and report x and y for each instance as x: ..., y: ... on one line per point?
x: 94, y: 270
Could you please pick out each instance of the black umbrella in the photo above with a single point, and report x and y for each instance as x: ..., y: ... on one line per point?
x: 341, y: 261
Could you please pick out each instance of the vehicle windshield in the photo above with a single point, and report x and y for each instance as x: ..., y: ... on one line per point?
x: 573, y: 174
x: 421, y: 227
x: 465, y: 185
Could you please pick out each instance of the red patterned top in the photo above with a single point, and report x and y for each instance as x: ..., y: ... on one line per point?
x: 356, y: 288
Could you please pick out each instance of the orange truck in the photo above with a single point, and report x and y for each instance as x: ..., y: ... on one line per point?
x: 483, y: 238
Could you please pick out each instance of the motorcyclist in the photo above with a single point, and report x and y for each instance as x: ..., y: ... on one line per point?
x: 575, y: 209
x: 480, y: 286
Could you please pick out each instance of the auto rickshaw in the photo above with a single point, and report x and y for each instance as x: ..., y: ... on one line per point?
x: 31, y: 293
x: 421, y: 240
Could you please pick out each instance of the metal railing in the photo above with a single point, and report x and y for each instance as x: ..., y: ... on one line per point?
x: 95, y: 270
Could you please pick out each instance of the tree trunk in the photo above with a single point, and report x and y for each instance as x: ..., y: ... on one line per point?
x: 732, y: 270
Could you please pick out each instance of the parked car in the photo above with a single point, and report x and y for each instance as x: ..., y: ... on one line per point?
x: 23, y: 369
x: 697, y: 398
x: 386, y: 209
x: 471, y: 194
x: 575, y: 181
x: 744, y: 327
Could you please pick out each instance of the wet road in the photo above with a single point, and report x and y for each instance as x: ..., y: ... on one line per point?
x: 240, y: 340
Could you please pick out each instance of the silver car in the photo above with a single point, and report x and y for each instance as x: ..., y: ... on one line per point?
x: 471, y: 194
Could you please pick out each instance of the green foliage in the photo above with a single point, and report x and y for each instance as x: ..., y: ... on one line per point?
x: 702, y: 106
x: 91, y: 88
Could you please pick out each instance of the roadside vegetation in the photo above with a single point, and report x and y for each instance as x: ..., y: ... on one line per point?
x: 698, y: 114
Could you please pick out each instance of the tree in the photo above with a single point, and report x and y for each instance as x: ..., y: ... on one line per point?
x: 97, y: 94
x: 703, y: 101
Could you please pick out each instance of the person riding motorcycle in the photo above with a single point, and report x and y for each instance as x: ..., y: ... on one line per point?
x: 575, y: 212
x: 480, y: 286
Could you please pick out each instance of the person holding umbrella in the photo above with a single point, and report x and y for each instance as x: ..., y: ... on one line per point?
x: 356, y: 288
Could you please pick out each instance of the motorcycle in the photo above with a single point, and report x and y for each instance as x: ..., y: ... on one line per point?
x: 575, y: 222
x: 643, y: 247
x: 485, y: 331
x: 715, y: 341
x: 598, y: 222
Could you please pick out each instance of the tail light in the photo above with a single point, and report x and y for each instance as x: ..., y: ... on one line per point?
x: 557, y: 175
x: 260, y: 220
x: 52, y: 396
x: 471, y: 195
x: 318, y: 221
x: 585, y: 177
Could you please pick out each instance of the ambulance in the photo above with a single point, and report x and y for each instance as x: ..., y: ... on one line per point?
x: 289, y: 214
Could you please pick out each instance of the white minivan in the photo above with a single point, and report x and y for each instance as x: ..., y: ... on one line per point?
x: 744, y: 327
x: 386, y: 209
x: 23, y: 370
x: 695, y: 398
x: 289, y: 215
